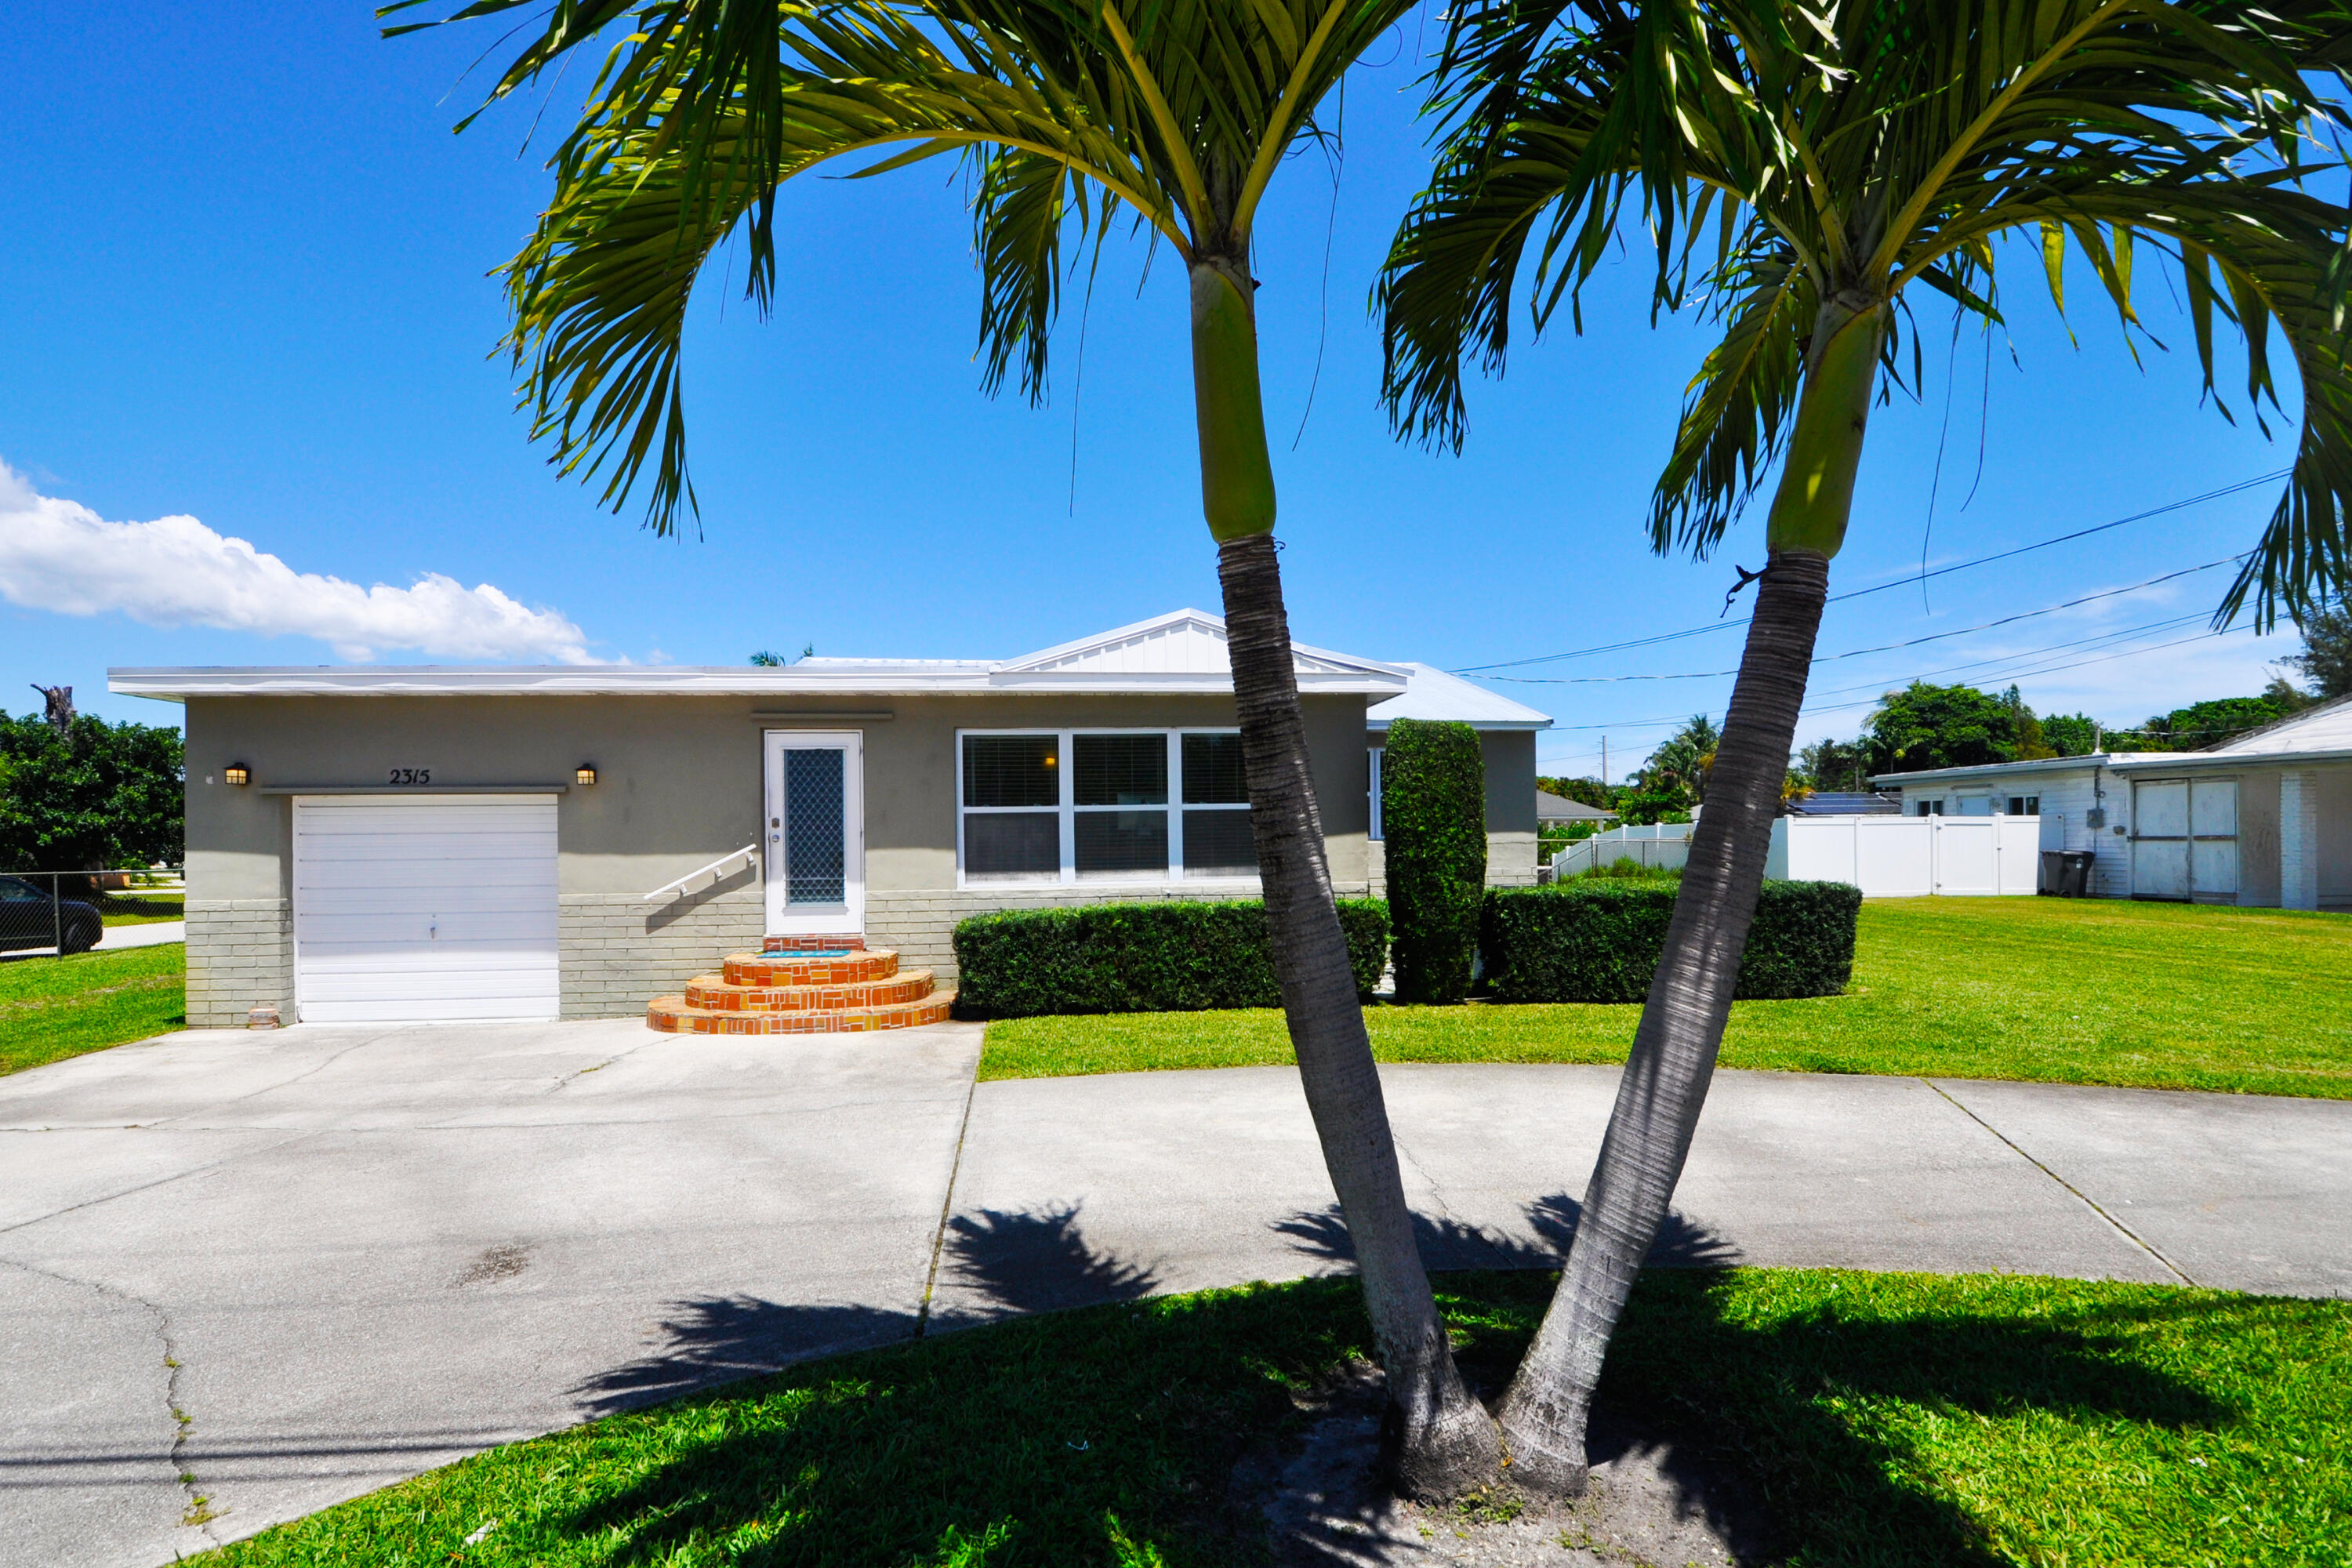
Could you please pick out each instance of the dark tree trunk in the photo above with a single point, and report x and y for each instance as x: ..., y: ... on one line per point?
x: 1665, y: 1080
x: 1441, y: 1441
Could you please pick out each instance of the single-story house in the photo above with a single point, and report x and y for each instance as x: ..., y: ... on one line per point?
x: 2265, y: 820
x: 1559, y: 811
x: 1506, y: 744
x: 426, y: 842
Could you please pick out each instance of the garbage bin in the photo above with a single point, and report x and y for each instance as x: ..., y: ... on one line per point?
x: 2066, y: 872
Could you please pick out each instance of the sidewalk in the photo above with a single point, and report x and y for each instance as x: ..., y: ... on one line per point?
x: 351, y: 1254
x: 154, y: 933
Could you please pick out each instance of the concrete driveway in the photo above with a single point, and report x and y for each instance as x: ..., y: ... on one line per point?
x: 347, y: 1255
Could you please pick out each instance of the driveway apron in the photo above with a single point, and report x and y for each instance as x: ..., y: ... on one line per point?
x: 244, y: 1275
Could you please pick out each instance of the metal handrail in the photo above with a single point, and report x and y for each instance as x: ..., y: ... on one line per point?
x: 751, y: 849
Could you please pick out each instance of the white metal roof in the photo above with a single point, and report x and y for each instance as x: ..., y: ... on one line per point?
x: 1180, y: 652
x: 1434, y: 694
x: 2327, y: 728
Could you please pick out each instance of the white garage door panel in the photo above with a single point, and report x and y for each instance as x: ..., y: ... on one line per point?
x: 426, y: 908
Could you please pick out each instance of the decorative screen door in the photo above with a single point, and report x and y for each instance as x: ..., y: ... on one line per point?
x: 816, y: 829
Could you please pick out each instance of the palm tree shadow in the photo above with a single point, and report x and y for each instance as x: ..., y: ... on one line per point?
x: 1013, y: 1263
x: 712, y: 1339
x: 1450, y: 1243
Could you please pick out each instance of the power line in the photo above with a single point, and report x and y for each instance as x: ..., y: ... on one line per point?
x: 1900, y: 582
x: 1872, y: 701
x: 1882, y: 647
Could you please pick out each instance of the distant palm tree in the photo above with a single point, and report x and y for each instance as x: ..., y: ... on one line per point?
x: 1175, y: 112
x: 1810, y: 161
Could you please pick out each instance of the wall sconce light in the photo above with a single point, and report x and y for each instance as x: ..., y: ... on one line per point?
x: 235, y: 773
x: 585, y: 773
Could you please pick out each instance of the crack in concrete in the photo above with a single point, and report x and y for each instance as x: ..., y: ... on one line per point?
x: 198, y: 1512
x: 566, y: 1080
x: 946, y: 1205
x: 311, y: 1071
x: 2082, y: 1197
x: 158, y: 1182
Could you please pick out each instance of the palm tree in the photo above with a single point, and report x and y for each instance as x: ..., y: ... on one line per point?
x: 1069, y: 115
x: 1813, y: 159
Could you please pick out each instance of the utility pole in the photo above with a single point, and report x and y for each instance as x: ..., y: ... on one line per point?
x: 1604, y: 762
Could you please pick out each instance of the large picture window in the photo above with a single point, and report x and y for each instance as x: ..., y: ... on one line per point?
x: 1099, y: 806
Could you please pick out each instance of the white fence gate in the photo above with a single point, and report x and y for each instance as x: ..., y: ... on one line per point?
x: 1910, y: 857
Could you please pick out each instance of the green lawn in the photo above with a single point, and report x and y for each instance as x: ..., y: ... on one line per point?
x: 1882, y: 1419
x: 51, y: 1008
x: 138, y: 907
x: 2070, y: 991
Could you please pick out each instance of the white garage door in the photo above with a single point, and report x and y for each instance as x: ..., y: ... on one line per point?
x: 424, y: 907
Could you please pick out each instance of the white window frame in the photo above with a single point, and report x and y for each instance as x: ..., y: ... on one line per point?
x: 1376, y: 833
x: 1065, y: 750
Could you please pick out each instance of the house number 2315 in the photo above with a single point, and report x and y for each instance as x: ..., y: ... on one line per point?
x: 412, y: 775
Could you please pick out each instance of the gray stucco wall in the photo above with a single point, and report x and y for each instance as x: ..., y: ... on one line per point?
x: 679, y: 784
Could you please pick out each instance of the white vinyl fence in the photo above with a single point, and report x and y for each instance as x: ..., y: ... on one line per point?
x: 1655, y: 847
x: 1885, y: 856
x: 1910, y: 857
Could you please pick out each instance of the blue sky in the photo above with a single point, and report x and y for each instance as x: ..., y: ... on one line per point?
x: 248, y: 264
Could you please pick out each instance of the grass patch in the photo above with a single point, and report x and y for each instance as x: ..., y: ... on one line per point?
x: 1884, y: 1419
x: 2061, y: 990
x: 52, y: 1008
x: 139, y: 909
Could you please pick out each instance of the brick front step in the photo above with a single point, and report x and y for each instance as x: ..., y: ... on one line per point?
x: 711, y: 993
x: 812, y: 944
x: 842, y: 967
x: 672, y: 1015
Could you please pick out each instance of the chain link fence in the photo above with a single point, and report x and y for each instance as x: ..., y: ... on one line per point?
x: 68, y: 911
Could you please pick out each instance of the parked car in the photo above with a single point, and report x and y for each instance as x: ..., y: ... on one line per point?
x: 26, y: 919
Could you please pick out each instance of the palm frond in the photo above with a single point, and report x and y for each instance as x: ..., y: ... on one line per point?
x: 1874, y: 143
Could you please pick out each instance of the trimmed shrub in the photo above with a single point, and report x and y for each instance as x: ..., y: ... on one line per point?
x: 1179, y: 956
x: 1433, y: 817
x: 1601, y: 941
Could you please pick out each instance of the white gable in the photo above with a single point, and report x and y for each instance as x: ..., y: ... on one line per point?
x: 1185, y: 642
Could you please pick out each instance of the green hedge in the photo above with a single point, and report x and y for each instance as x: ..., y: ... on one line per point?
x: 1601, y: 941
x: 1173, y: 957
x: 1434, y: 820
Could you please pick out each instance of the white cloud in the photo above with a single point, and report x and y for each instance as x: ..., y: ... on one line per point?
x: 174, y: 572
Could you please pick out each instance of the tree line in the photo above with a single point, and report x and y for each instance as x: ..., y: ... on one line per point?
x: 1924, y: 726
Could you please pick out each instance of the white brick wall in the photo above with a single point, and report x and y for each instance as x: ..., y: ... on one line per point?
x: 240, y: 957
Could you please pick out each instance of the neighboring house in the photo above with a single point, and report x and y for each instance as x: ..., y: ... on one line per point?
x: 1841, y: 802
x: 1506, y: 742
x: 1559, y: 811
x: 438, y: 842
x: 2264, y: 820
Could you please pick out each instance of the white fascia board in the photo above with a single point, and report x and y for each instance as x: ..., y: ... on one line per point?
x: 1990, y: 771
x: 2222, y: 761
x: 841, y: 678
x: 561, y: 680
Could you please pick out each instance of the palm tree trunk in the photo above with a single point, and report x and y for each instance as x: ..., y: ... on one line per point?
x: 1667, y: 1076
x: 1439, y: 1440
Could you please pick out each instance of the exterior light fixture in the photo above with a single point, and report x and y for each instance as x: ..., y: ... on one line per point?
x: 585, y: 773
x: 235, y: 773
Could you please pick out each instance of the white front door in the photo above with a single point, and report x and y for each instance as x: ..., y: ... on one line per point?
x: 816, y: 827
x: 425, y: 908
